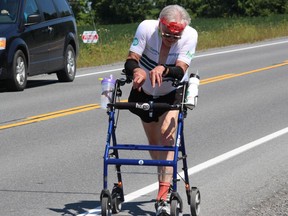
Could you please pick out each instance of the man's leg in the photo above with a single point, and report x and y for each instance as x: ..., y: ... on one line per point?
x: 163, y: 133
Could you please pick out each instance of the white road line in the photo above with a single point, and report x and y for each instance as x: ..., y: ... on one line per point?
x: 100, y: 72
x: 241, y: 49
x: 197, y: 56
x: 200, y: 167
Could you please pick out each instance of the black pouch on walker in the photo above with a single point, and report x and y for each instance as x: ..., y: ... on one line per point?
x: 173, y: 97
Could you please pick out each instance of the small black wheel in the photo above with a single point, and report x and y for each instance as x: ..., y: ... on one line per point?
x: 195, y: 200
x: 117, y: 199
x: 174, y: 208
x: 18, y: 79
x: 67, y: 74
x: 105, y: 210
x: 116, y: 205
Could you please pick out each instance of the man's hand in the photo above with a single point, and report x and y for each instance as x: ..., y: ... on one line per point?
x: 156, y: 75
x: 139, y: 77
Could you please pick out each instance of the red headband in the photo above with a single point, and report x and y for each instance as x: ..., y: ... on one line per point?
x: 174, y: 27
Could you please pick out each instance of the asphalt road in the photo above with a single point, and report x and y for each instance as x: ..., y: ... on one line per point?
x: 52, y: 139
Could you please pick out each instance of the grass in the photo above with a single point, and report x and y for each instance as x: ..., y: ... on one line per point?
x: 114, y: 40
x: 112, y: 46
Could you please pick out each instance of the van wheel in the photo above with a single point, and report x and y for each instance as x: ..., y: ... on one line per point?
x: 18, y: 80
x: 67, y: 74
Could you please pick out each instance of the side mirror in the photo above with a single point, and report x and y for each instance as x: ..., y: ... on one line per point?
x: 33, y: 19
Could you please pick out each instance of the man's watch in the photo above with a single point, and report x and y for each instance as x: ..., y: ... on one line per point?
x: 165, y: 70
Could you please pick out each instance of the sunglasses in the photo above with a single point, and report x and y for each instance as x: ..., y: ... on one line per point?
x: 172, y: 36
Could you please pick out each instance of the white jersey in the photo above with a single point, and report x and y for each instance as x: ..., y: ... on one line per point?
x: 147, y: 43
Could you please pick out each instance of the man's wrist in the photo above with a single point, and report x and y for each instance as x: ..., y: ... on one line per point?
x: 130, y: 66
x: 174, y: 72
x: 165, y: 71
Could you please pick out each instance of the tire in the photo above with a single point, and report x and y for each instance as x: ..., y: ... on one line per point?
x: 195, y: 200
x: 67, y: 74
x: 174, y: 208
x: 105, y: 210
x: 18, y: 80
x: 116, y: 203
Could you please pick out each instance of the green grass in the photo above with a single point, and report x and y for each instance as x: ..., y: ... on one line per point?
x: 114, y: 40
x: 112, y: 46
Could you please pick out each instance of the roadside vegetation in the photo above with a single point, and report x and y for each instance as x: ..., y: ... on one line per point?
x: 114, y: 40
x: 218, y: 22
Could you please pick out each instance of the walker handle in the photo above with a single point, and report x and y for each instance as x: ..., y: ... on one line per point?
x: 129, y: 79
x: 145, y: 106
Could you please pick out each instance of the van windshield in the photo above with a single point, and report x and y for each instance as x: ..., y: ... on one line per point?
x: 8, y: 11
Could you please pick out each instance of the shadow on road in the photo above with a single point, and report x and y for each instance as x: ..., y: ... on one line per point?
x: 74, y: 209
x: 30, y: 84
x: 128, y: 209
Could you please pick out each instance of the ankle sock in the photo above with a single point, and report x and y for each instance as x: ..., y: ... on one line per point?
x: 163, y: 190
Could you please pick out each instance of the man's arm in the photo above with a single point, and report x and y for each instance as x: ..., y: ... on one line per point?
x: 132, y: 68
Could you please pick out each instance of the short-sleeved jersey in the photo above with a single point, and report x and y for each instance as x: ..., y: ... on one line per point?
x: 147, y: 43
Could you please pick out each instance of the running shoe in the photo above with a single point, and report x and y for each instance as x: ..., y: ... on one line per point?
x: 162, y: 208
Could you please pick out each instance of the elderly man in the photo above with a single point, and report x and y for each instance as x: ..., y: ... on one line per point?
x: 161, y: 48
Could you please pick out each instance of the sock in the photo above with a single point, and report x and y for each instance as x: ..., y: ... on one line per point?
x: 163, y: 190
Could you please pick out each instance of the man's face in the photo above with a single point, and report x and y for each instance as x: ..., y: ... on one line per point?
x: 168, y: 37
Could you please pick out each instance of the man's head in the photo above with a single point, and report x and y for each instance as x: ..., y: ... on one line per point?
x: 172, y: 21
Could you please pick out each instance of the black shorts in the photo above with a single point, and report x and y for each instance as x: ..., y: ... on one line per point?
x: 174, y: 97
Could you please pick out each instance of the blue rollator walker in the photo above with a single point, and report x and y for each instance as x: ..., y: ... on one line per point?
x: 112, y: 202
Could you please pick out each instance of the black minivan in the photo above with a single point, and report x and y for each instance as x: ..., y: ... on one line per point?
x: 37, y: 37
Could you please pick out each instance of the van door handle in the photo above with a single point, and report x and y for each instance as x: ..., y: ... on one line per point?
x: 50, y: 29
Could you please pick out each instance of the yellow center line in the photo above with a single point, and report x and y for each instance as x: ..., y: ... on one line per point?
x: 262, y: 69
x: 51, y: 115
x: 229, y: 76
x: 88, y: 107
x: 64, y: 112
x: 215, y: 79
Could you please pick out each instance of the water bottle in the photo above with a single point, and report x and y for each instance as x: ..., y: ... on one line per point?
x: 108, y: 85
x: 192, y: 91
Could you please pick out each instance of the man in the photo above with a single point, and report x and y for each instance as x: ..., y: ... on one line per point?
x: 161, y: 48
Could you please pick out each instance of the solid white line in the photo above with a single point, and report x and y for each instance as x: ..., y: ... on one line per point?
x: 197, y: 56
x: 237, y: 151
x: 241, y: 49
x: 200, y: 167
x: 101, y: 72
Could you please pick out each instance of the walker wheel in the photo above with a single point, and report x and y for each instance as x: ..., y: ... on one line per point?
x: 105, y: 210
x: 195, y: 200
x: 117, y: 199
x: 116, y: 205
x: 174, y: 207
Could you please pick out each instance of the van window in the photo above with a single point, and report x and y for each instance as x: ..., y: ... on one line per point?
x: 63, y: 8
x: 48, y: 9
x: 8, y: 10
x: 30, y: 8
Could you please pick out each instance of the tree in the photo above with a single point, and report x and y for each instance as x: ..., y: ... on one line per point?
x: 263, y: 7
x: 131, y: 11
x: 82, y: 10
x: 230, y: 8
x: 121, y: 11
